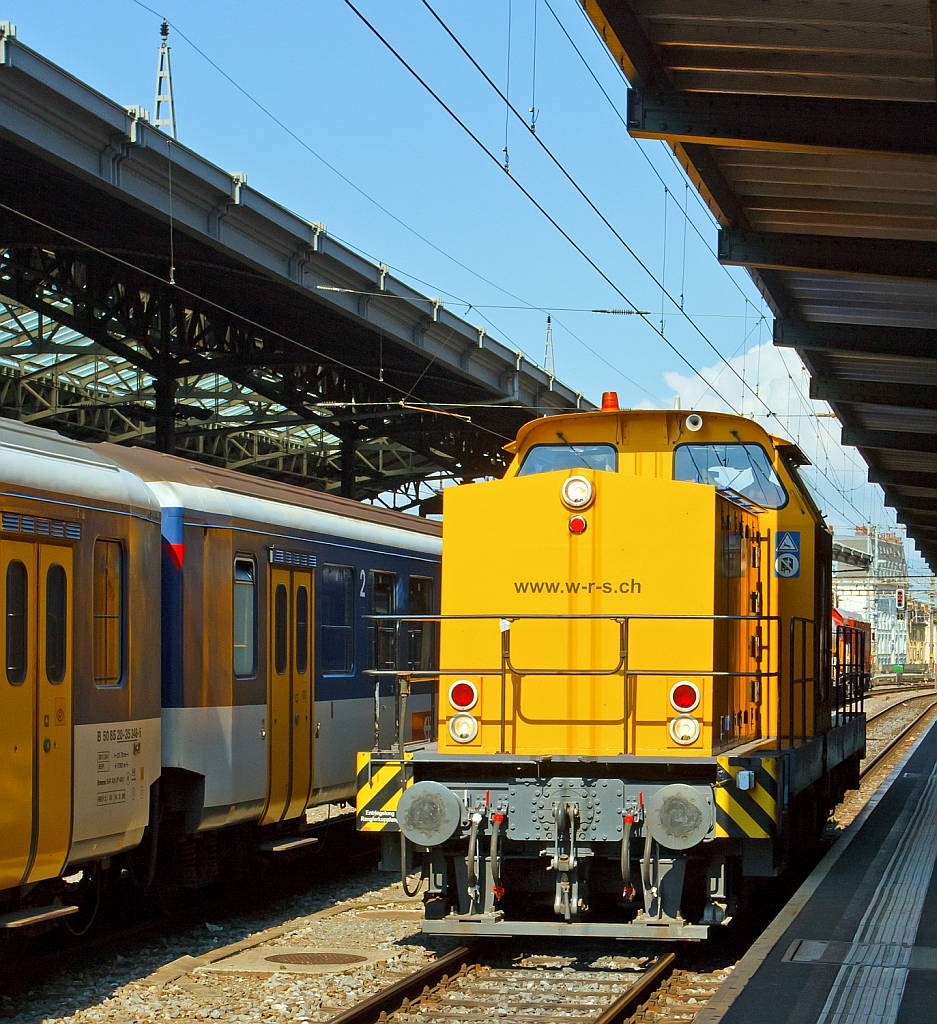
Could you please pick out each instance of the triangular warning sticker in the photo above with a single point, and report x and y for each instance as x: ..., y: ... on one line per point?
x: 786, y: 543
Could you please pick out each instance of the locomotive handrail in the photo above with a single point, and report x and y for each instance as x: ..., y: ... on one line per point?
x: 404, y: 676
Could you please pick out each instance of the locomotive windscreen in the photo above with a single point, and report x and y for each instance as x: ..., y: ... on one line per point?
x: 548, y: 458
x: 743, y: 468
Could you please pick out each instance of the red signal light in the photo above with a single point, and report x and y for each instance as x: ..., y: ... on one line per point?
x: 684, y: 696
x: 462, y: 694
x: 609, y: 401
x: 577, y: 525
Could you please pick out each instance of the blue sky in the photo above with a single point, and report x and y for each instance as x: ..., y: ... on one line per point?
x: 316, y: 68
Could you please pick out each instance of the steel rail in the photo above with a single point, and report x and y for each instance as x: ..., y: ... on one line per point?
x: 875, y: 692
x: 627, y: 1003
x: 392, y: 998
x: 872, y: 762
x: 401, y: 994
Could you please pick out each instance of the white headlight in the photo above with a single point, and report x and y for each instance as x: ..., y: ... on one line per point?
x: 577, y: 492
x: 463, y: 728
x: 684, y: 729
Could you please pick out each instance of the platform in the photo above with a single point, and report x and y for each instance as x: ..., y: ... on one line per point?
x: 858, y: 942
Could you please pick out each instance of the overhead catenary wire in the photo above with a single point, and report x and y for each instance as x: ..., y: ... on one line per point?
x: 539, y: 206
x: 558, y: 164
x: 318, y: 156
x: 618, y: 114
x: 437, y: 248
x: 507, y: 93
x: 398, y: 220
x: 533, y: 78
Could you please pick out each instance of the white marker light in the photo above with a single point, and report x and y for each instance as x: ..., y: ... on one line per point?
x: 463, y: 728
x: 576, y: 492
x: 684, y: 729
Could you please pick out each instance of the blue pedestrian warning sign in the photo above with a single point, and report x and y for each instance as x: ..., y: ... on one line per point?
x: 787, y: 554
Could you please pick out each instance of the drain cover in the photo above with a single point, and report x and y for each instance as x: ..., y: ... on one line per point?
x: 316, y: 959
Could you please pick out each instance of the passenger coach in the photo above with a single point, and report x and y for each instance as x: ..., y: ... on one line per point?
x: 80, y: 709
x: 186, y: 661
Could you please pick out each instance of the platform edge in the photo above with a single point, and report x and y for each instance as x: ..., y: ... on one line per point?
x: 715, y: 1010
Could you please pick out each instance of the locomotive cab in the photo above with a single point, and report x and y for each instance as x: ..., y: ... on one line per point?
x: 635, y: 702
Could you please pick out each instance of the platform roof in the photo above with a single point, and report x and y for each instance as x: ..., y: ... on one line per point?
x: 810, y: 129
x: 149, y: 296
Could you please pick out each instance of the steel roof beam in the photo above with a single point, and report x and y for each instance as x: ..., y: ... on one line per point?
x: 629, y: 44
x: 808, y: 124
x: 878, y: 257
x: 899, y: 478
x: 915, y: 526
x: 868, y: 339
x: 910, y: 502
x: 873, y: 392
x: 891, y: 440
x: 711, y: 183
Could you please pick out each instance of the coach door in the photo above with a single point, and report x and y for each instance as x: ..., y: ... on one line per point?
x: 36, y: 711
x: 289, y: 693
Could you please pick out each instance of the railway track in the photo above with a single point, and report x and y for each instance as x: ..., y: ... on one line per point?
x: 882, y: 691
x: 26, y: 957
x: 470, y: 984
x: 898, y: 704
x: 892, y: 742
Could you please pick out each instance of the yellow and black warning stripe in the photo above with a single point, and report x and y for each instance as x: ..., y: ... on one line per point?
x: 747, y: 813
x: 381, y: 780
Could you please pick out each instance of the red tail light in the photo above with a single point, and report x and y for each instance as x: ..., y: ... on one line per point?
x: 463, y: 695
x: 685, y: 696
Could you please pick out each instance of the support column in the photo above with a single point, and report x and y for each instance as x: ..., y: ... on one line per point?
x: 348, y: 465
x: 165, y: 414
x: 165, y: 383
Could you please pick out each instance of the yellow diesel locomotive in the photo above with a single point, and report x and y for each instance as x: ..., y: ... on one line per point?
x: 638, y: 712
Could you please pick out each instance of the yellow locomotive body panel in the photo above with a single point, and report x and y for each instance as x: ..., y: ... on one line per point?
x: 650, y: 545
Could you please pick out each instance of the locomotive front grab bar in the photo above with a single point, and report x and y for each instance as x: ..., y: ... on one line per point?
x: 405, y: 676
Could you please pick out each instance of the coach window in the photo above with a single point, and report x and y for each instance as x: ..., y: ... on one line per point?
x: 245, y: 617
x: 336, y: 609
x: 280, y: 626
x: 420, y: 635
x: 17, y: 623
x: 383, y: 635
x: 108, y: 611
x: 549, y: 458
x: 56, y: 625
x: 302, y: 630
